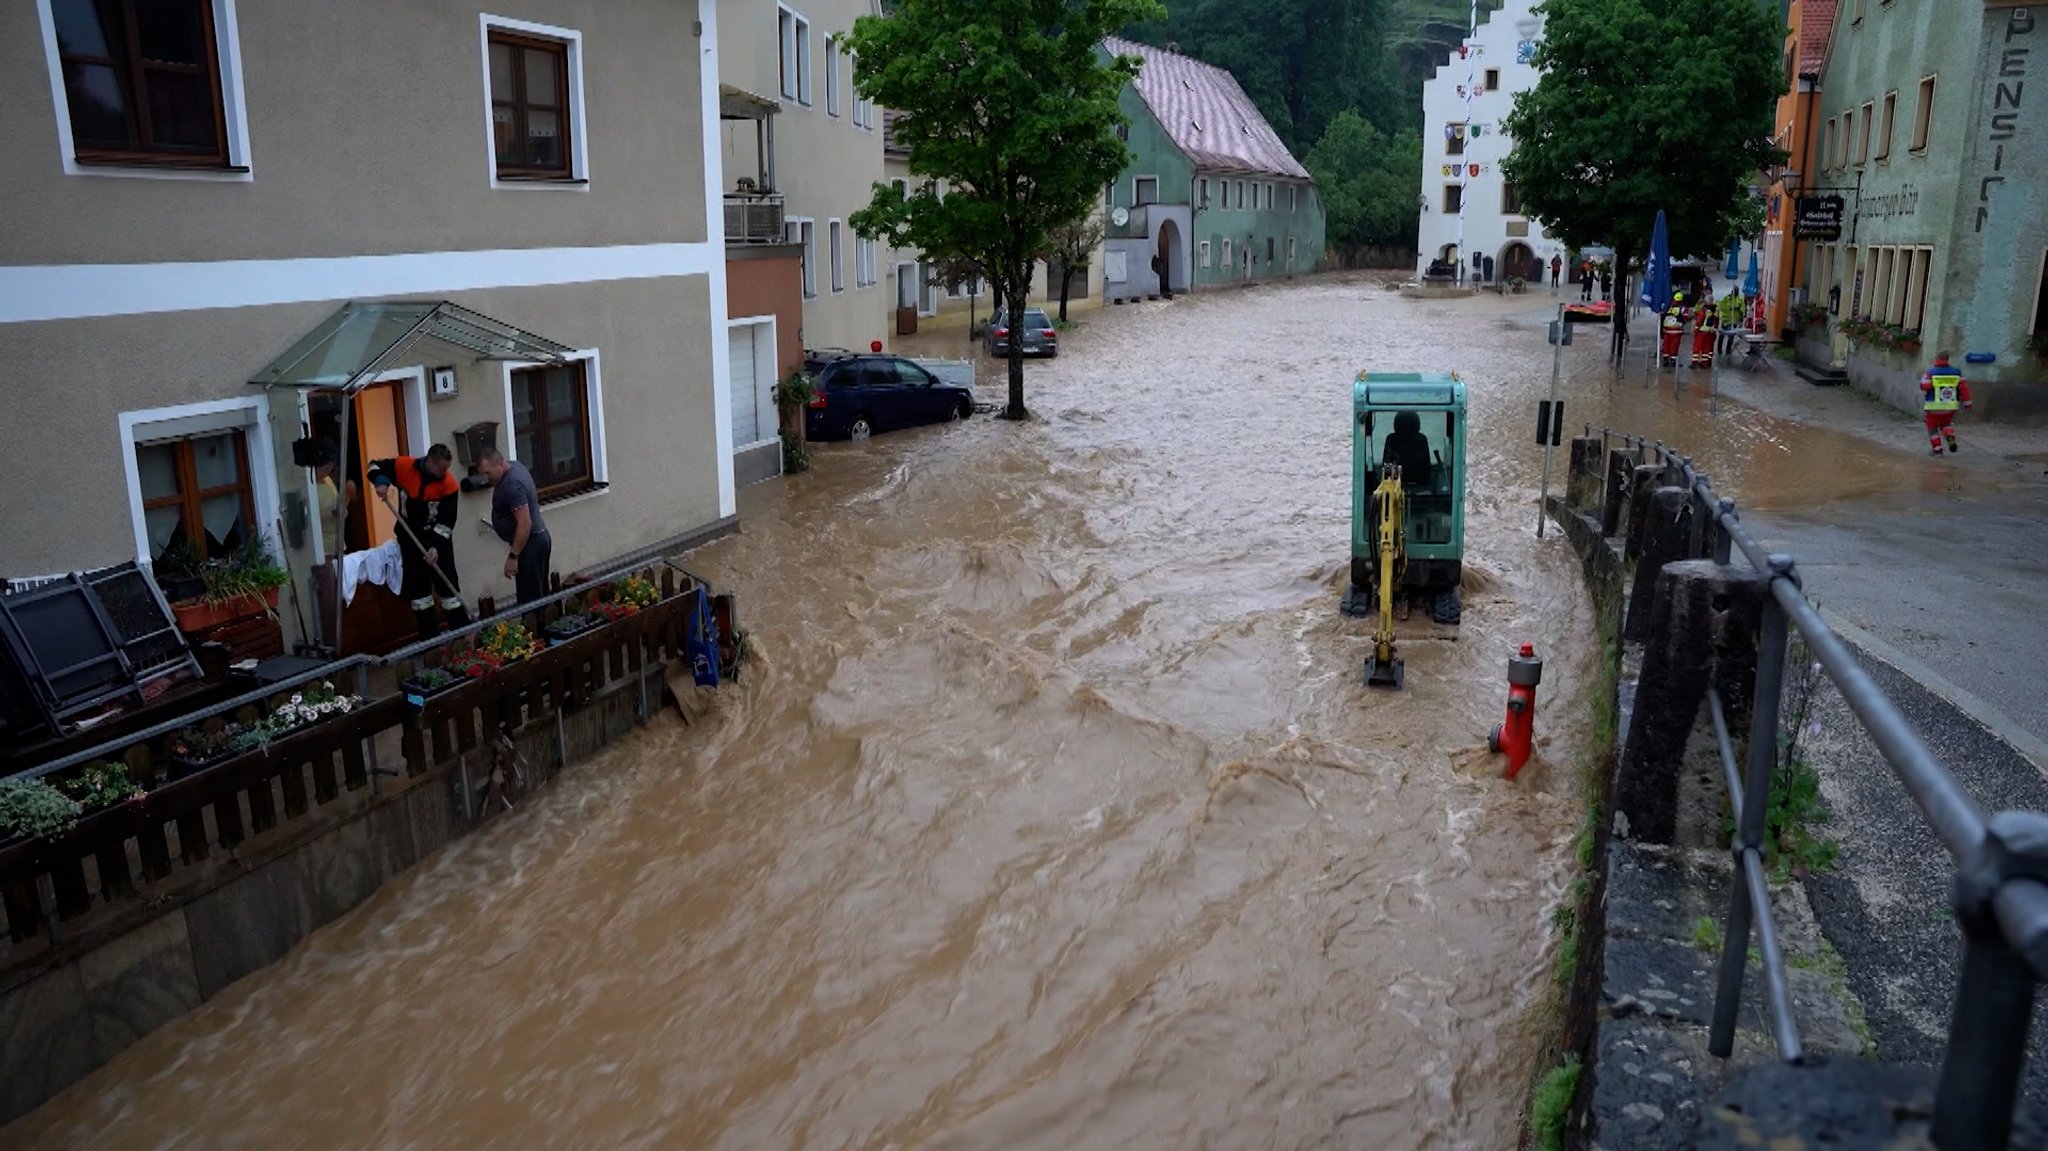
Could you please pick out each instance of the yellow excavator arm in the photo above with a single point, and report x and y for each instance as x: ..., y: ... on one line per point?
x: 1389, y: 517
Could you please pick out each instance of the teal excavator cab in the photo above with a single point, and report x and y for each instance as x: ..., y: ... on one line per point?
x: 1407, y: 467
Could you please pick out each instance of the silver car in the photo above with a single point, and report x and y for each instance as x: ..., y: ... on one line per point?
x: 1038, y: 335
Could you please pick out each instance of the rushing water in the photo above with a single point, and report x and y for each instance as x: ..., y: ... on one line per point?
x: 1052, y: 814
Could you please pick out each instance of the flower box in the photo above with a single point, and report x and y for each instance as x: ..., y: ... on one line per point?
x: 571, y: 626
x: 427, y: 684
x: 198, y: 614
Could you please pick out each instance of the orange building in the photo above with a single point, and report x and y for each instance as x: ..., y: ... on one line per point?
x: 1806, y: 49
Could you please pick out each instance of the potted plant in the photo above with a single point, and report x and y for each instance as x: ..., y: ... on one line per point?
x: 30, y: 808
x: 177, y: 572
x: 572, y: 625
x: 427, y: 683
x: 102, y: 786
x: 627, y: 597
x: 242, y: 585
x: 496, y: 646
x: 198, y: 748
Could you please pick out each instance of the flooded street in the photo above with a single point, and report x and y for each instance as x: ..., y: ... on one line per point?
x: 1052, y: 813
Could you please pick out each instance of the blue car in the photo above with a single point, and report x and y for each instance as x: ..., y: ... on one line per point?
x: 859, y: 395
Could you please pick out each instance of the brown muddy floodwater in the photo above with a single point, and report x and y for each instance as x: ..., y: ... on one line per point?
x: 1052, y: 815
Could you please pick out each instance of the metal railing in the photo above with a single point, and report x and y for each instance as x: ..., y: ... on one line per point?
x: 2001, y: 885
x: 754, y: 218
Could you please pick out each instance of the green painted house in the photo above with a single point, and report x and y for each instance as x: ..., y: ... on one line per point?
x: 1211, y: 196
x: 1933, y: 129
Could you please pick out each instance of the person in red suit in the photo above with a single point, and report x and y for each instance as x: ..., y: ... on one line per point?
x: 1706, y: 328
x: 1942, y: 390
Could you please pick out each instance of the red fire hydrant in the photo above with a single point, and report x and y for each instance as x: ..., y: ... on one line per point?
x: 1517, y: 736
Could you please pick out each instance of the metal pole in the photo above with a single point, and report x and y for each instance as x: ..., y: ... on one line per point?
x: 1756, y: 801
x: 1556, y: 366
x: 1723, y: 542
x: 1987, y: 1042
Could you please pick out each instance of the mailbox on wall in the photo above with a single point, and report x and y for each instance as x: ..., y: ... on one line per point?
x: 471, y: 442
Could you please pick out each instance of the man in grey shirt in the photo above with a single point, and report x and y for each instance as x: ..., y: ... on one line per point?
x: 515, y: 516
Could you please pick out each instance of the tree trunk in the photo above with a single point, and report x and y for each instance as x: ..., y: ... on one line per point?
x: 1066, y: 279
x: 1014, y: 295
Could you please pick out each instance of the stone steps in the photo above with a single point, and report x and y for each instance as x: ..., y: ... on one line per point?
x: 1820, y: 375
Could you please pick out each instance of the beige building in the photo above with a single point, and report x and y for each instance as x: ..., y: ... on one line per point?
x: 244, y: 233
x: 917, y: 303
x: 811, y: 156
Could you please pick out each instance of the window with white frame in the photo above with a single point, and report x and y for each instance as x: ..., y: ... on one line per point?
x: 1269, y: 197
x: 557, y: 422
x: 1203, y: 200
x: 1240, y: 193
x: 833, y: 53
x: 1290, y: 251
x: 863, y: 108
x: 794, y: 33
x: 1227, y: 261
x: 534, y: 82
x: 1922, y: 115
x: 197, y: 490
x: 1144, y: 190
x: 1202, y: 253
x: 1290, y: 198
x: 832, y: 237
x: 864, y: 275
x: 154, y: 86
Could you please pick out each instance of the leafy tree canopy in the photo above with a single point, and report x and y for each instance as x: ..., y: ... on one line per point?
x: 1367, y: 182
x: 1646, y: 105
x: 1011, y: 104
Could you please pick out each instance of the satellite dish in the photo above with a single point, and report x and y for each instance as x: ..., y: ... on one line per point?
x: 1119, y: 216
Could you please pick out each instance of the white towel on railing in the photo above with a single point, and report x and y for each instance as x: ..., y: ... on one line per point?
x: 379, y: 565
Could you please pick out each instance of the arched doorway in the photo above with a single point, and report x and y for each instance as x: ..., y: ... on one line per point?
x: 1448, y: 254
x: 1518, y: 261
x: 1168, y: 258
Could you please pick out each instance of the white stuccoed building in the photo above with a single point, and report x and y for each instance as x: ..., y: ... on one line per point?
x: 1463, y: 106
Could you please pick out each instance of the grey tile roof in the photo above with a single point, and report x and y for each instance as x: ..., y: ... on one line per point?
x: 1205, y: 112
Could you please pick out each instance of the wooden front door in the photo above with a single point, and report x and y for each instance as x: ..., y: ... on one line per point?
x: 376, y: 621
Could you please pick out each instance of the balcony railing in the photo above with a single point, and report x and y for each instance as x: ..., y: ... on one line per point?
x: 753, y: 218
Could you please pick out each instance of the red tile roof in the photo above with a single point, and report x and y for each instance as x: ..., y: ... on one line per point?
x: 1207, y: 114
x: 1816, y: 24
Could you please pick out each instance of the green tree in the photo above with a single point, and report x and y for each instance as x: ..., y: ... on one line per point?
x: 1012, y: 105
x: 1646, y: 105
x: 1073, y: 246
x: 1367, y: 182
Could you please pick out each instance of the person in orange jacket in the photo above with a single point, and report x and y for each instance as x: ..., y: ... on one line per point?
x: 428, y: 548
x: 1942, y: 391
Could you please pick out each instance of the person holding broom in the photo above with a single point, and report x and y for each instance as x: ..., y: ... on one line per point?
x: 426, y: 533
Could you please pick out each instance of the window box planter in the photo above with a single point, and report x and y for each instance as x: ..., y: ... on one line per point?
x: 429, y: 683
x: 570, y: 626
x: 198, y: 615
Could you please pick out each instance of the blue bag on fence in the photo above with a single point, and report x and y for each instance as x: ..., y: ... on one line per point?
x: 703, y: 641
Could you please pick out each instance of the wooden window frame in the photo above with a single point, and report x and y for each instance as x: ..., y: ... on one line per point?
x: 134, y: 88
x: 1138, y: 197
x: 1490, y: 80
x: 1453, y: 191
x: 547, y: 489
x: 190, y: 498
x: 1454, y: 140
x: 1510, y: 201
x: 519, y: 42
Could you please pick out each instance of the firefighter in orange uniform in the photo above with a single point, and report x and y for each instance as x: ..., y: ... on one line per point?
x: 1706, y: 329
x: 432, y: 503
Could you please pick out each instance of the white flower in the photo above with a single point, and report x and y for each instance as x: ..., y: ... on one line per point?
x: 297, y: 698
